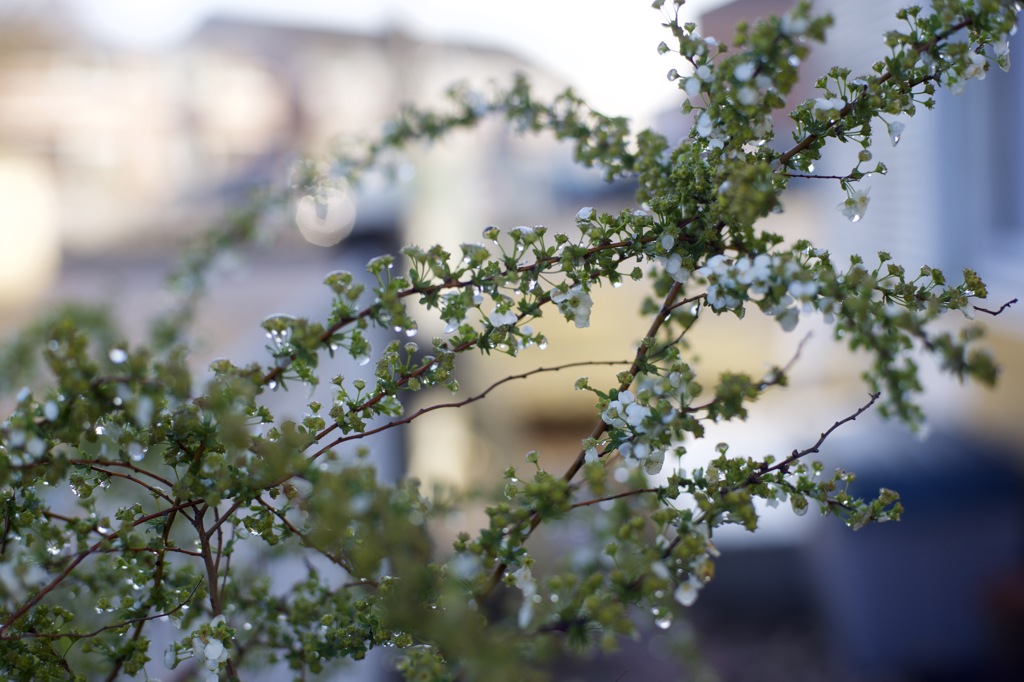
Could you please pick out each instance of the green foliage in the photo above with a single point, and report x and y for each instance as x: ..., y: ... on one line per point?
x: 172, y: 479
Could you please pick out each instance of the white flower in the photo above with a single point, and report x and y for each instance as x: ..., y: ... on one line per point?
x: 575, y: 304
x: 704, y: 125
x: 36, y: 446
x: 788, y: 318
x: 955, y: 85
x: 502, y: 319
x: 803, y: 290
x: 691, y: 86
x: 747, y: 96
x: 636, y: 413
x: 586, y: 213
x: 673, y: 265
x: 1001, y: 50
x: 703, y: 72
x: 687, y: 592
x: 793, y: 25
x: 716, y: 265
x: 198, y: 647
x: 51, y: 411
x: 215, y: 653
x: 524, y: 581
x: 654, y: 462
x: 171, y: 657
x: 855, y: 205
x: 522, y: 233
x: 753, y: 271
x: 744, y: 72
x: 614, y: 415
x: 976, y: 66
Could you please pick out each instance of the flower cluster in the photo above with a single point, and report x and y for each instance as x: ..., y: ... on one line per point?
x: 731, y: 282
x: 208, y: 647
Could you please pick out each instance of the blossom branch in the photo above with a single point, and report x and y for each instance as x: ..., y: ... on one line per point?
x: 600, y: 427
x: 305, y: 539
x: 461, y: 403
x: 783, y: 465
x: 105, y: 628
x: 811, y: 138
x: 52, y: 585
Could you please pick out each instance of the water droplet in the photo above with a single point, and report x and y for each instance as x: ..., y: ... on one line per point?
x: 543, y: 345
x: 855, y: 217
x: 362, y: 360
x: 793, y: 60
x: 136, y: 452
x: 663, y: 623
x: 117, y: 356
x: 272, y: 385
x: 411, y: 332
x: 616, y: 284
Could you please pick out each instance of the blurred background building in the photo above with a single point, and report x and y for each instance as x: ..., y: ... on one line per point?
x: 112, y: 155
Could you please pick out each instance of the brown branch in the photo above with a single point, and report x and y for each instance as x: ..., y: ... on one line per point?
x: 785, y: 157
x: 628, y: 493
x: 599, y: 428
x: 125, y: 465
x: 996, y: 312
x: 52, y: 585
x: 115, y: 626
x: 461, y: 403
x: 304, y: 538
x: 784, y: 464
x: 128, y: 477
x: 330, y: 331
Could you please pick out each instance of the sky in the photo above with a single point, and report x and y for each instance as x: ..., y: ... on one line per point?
x: 607, y: 49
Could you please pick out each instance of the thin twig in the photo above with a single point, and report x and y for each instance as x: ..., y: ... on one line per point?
x: 115, y: 626
x: 461, y: 403
x: 996, y: 312
x: 38, y: 596
x: 608, y: 498
x: 599, y: 428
